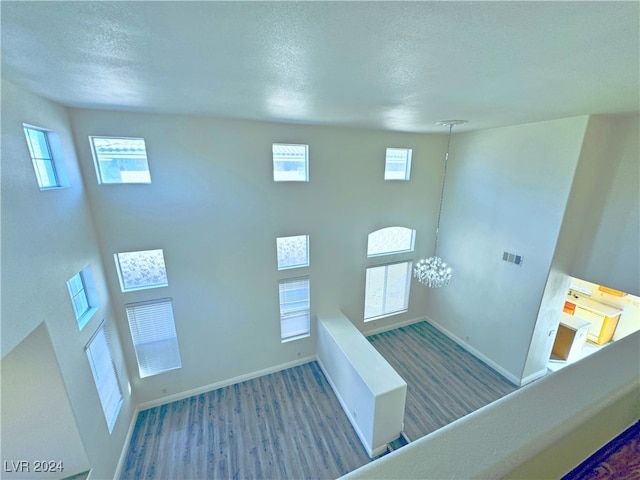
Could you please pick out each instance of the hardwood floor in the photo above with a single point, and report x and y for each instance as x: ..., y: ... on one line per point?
x: 444, y: 381
x: 286, y: 425
x: 289, y: 425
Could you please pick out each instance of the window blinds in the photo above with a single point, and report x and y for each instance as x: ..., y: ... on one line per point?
x: 294, y: 308
x: 154, y: 336
x: 104, y: 375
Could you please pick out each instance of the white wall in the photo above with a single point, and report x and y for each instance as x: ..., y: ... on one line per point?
x: 30, y: 379
x: 47, y: 237
x: 606, y: 195
x: 506, y: 191
x: 215, y: 210
x: 599, y: 235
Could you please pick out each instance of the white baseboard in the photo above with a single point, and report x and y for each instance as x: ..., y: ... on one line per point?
x: 534, y: 376
x: 225, y: 383
x: 197, y: 391
x: 393, y: 326
x: 476, y: 353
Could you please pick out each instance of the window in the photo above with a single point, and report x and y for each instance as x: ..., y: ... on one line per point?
x: 42, y: 157
x: 104, y: 375
x: 292, y: 252
x: 120, y: 160
x: 140, y: 270
x: 84, y: 298
x: 397, y: 164
x: 387, y: 290
x: 290, y: 163
x: 155, y: 341
x: 390, y: 240
x: 294, y: 308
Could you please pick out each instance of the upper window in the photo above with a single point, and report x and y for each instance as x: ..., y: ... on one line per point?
x: 390, y: 240
x: 290, y: 162
x: 83, y: 295
x: 153, y: 332
x: 120, y: 160
x: 140, y: 270
x: 397, y: 164
x: 387, y: 290
x: 104, y: 375
x: 294, y: 308
x: 42, y: 157
x: 292, y: 252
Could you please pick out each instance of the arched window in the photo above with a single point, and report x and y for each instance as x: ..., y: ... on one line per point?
x: 390, y: 240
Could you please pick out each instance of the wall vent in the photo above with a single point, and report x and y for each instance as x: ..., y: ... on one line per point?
x: 513, y: 258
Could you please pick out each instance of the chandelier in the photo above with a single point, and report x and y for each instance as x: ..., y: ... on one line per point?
x: 433, y: 272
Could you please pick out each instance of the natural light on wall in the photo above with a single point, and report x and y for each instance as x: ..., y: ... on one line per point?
x: 120, y: 160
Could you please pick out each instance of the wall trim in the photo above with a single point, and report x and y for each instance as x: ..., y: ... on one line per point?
x: 393, y: 326
x: 476, y: 353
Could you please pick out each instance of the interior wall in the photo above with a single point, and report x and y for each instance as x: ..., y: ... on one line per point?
x: 606, y: 195
x: 215, y: 210
x: 31, y: 380
x: 599, y: 235
x: 506, y: 191
x: 47, y: 237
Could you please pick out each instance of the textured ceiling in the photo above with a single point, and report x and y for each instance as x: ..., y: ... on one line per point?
x: 388, y: 65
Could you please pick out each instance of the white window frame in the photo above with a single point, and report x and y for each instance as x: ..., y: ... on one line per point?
x: 53, y: 155
x: 133, y: 178
x: 154, y: 336
x: 87, y: 295
x: 391, y: 174
x: 280, y: 245
x: 105, y: 376
x: 385, y: 310
x: 406, y: 236
x: 123, y: 283
x: 280, y: 175
x: 297, y: 312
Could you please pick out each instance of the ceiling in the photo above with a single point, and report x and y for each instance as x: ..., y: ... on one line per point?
x: 385, y: 65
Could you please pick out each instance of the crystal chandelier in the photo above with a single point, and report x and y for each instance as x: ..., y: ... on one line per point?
x: 433, y: 272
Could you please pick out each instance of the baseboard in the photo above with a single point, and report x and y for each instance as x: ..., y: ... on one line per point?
x: 224, y: 383
x: 347, y: 412
x: 405, y: 323
x: 481, y: 356
x: 127, y: 442
x: 534, y: 376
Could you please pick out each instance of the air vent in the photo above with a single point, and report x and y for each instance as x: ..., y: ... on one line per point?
x: 513, y: 258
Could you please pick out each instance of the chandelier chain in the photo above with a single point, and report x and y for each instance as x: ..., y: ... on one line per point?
x: 444, y: 176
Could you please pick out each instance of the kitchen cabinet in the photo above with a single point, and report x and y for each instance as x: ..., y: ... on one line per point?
x: 570, y: 338
x: 603, y: 318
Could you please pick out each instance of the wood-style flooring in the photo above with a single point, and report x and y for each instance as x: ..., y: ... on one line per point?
x: 289, y: 425
x: 286, y: 425
x: 444, y: 381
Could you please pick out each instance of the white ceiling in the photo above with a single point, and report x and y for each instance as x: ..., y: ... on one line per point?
x: 388, y: 65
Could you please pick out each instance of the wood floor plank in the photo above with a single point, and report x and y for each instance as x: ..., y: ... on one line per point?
x: 290, y: 425
x: 444, y: 381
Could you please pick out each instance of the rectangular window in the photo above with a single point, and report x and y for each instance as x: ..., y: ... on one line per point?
x: 120, y: 160
x: 295, y: 312
x: 141, y: 270
x: 153, y: 332
x: 84, y: 298
x: 42, y: 157
x: 397, y: 164
x: 387, y: 290
x: 292, y: 252
x: 290, y: 162
x: 104, y: 375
